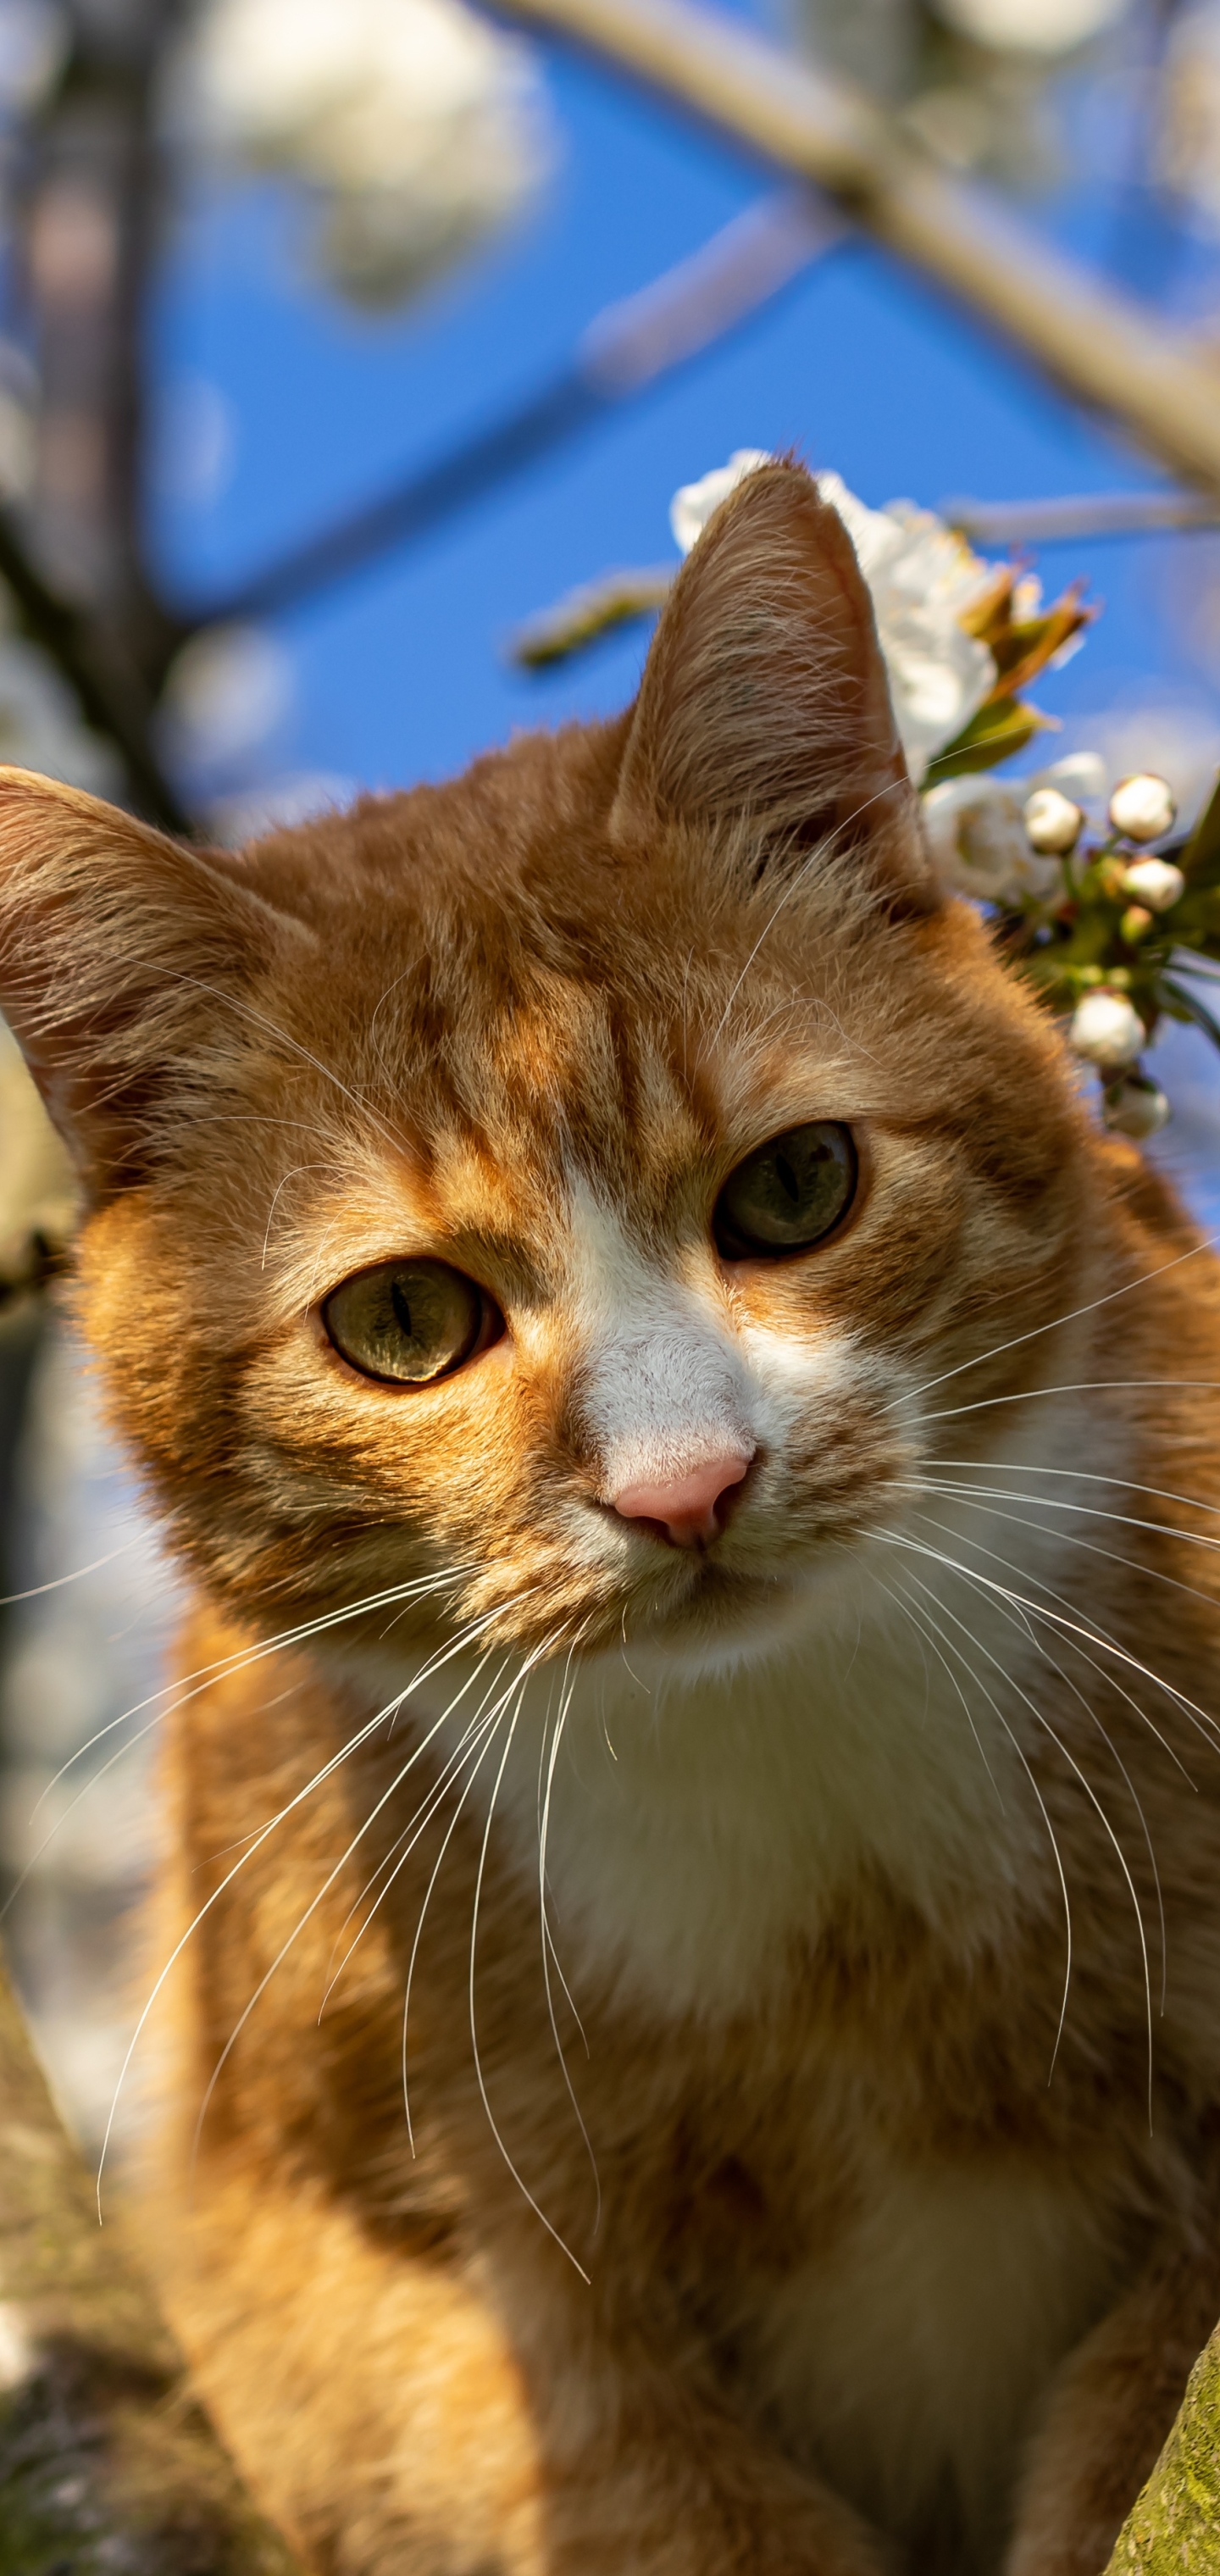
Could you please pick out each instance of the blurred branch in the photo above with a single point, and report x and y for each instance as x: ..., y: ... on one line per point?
x: 1089, y: 514
x: 91, y: 204
x: 627, y: 348
x: 112, y: 696
x: 106, y: 2461
x: 1099, y: 345
x: 581, y: 616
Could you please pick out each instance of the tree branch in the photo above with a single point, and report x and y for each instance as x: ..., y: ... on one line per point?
x: 1101, y: 346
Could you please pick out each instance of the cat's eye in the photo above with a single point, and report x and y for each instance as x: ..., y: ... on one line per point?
x: 409, y: 1322
x: 789, y: 1194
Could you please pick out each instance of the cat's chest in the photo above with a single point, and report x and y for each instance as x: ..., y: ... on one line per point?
x: 689, y: 1840
x: 905, y: 2355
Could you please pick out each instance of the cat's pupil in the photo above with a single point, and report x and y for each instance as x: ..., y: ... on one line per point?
x: 407, y: 1322
x: 400, y: 1298
x: 789, y: 1194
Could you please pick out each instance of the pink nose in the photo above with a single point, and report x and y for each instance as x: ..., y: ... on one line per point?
x: 685, y: 1507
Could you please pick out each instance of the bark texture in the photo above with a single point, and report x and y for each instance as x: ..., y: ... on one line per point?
x: 1174, y: 2529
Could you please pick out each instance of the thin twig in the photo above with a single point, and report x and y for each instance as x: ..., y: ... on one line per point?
x: 595, y: 609
x: 1083, y: 515
x: 109, y: 699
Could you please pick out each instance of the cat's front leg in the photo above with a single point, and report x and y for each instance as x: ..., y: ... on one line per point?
x: 691, y: 2495
x: 377, y: 2401
x: 1108, y: 2415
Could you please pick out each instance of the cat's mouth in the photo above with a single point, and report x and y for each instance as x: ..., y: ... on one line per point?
x: 721, y: 1603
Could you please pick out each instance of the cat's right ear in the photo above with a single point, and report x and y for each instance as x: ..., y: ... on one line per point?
x: 764, y: 716
x: 121, y: 952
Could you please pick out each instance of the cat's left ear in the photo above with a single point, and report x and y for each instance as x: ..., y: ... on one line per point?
x: 126, y: 961
x: 764, y: 711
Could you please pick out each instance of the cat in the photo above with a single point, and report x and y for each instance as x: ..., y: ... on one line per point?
x: 688, y: 1959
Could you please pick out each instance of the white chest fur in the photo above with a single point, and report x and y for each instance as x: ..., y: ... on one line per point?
x: 908, y: 2362
x: 695, y: 1826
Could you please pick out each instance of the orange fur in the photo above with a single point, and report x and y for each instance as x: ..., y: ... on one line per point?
x: 865, y: 2249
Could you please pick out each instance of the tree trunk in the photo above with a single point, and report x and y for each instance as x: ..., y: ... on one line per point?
x: 1174, y: 2529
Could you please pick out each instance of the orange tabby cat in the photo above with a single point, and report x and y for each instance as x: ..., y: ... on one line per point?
x: 695, y: 1897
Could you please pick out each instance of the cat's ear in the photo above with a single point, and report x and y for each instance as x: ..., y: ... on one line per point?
x: 119, y: 954
x: 764, y: 706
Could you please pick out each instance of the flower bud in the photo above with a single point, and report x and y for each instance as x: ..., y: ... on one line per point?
x: 1143, y: 807
x: 1154, y: 882
x: 1135, y: 1107
x: 1052, y: 821
x: 1135, y: 924
x: 979, y: 844
x: 1107, y: 1030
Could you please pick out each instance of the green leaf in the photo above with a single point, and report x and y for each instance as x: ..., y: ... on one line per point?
x: 998, y: 730
x: 1192, y: 1008
x: 1200, y: 860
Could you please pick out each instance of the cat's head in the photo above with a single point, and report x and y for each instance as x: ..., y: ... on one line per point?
x: 562, y: 1183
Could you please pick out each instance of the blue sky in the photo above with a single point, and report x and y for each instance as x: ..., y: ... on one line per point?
x: 859, y: 365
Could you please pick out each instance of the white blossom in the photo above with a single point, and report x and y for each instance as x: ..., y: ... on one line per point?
x: 978, y: 842
x: 1053, y: 821
x: 1107, y: 1030
x: 1082, y: 775
x: 1143, y: 807
x: 417, y: 126
x: 1045, y: 27
x: 1136, y: 1108
x: 922, y: 579
x: 1156, y: 883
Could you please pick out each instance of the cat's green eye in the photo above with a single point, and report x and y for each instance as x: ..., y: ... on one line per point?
x: 408, y: 1322
x: 789, y: 1194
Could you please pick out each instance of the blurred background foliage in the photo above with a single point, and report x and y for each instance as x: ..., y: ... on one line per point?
x: 306, y: 408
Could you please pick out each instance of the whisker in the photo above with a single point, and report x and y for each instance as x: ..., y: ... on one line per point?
x: 328, y: 1768
x: 240, y: 1658
x: 1083, y: 1476
x: 404, y: 1844
x: 1082, y: 1386
x: 986, y: 1584
x: 282, y: 1185
x: 246, y: 1010
x: 1000, y: 1507
x: 311, y: 1909
x: 1056, y: 1323
x: 1104, y: 1636
x: 35, y: 1591
x: 522, y: 2185
x: 1205, y: 1723
x: 450, y: 1830
x: 549, y: 1951
x: 1042, y: 1649
x: 222, y: 1669
x: 905, y: 1606
x: 1023, y: 1759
